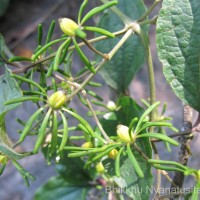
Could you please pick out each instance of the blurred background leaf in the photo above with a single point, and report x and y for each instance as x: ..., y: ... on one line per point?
x: 3, y: 6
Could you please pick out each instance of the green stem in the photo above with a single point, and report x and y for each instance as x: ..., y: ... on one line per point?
x: 93, y: 49
x: 149, y: 10
x: 152, y: 86
x: 120, y: 43
x: 97, y: 120
x: 150, y: 68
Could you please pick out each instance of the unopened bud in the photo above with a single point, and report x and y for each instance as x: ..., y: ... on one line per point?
x: 111, y: 105
x: 57, y: 99
x: 3, y: 159
x: 136, y: 28
x: 68, y: 26
x: 87, y: 145
x: 113, y: 154
x: 123, y: 134
x: 100, y: 168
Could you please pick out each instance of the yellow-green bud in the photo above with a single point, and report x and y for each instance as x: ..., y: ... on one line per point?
x: 111, y: 105
x: 100, y: 168
x: 123, y: 134
x: 87, y: 145
x: 3, y: 159
x: 113, y: 154
x: 68, y: 26
x: 57, y: 99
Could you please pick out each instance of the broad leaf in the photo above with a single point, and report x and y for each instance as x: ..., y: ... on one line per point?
x: 73, y: 182
x: 134, y: 186
x: 119, y: 72
x: 58, y: 188
x: 178, y: 44
x: 73, y: 171
x: 129, y: 181
x: 5, y: 144
x: 8, y: 90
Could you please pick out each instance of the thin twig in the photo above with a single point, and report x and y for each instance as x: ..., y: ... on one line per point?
x: 93, y: 49
x: 163, y: 172
x: 51, y: 56
x: 149, y: 10
x: 149, y: 21
x: 172, y: 136
x: 96, y: 119
x: 139, y: 150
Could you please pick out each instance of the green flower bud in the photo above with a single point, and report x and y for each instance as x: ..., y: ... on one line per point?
x: 113, y: 154
x: 123, y: 134
x: 111, y: 105
x: 100, y: 168
x: 68, y: 26
x: 87, y: 145
x: 57, y: 99
x: 3, y: 159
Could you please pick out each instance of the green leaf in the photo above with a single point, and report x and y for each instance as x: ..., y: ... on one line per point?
x: 160, y: 137
x: 178, y: 45
x: 8, y: 90
x: 73, y: 171
x: 129, y: 180
x: 59, y: 189
x: 131, y: 183
x: 24, y: 173
x: 119, y: 72
x: 5, y: 144
x: 134, y: 162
